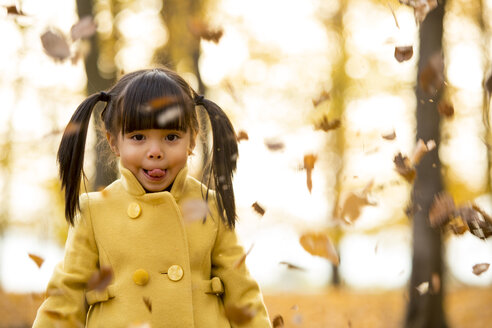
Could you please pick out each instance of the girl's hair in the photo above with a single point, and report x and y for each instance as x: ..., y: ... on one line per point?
x: 150, y: 99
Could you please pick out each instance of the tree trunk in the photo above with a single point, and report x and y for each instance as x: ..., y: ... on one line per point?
x: 426, y: 310
x: 105, y: 172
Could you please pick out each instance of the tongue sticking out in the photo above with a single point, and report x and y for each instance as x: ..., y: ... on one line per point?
x: 156, y: 173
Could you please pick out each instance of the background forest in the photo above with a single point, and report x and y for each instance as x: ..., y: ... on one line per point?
x: 364, y: 177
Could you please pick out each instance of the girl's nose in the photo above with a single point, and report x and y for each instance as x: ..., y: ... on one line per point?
x: 155, y: 152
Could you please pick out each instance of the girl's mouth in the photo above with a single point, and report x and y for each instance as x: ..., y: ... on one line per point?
x: 155, y: 174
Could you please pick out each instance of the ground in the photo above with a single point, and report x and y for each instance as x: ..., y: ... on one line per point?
x: 465, y: 308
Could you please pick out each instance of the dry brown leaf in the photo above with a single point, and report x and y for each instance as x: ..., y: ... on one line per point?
x: 423, y: 288
x: 37, y: 259
x: 242, y: 135
x: 441, y: 210
x: 445, y: 108
x: 477, y: 221
x: 309, y: 160
x: 292, y: 266
x: 202, y: 30
x: 161, y: 102
x: 55, y: 45
x: 84, y: 28
x: 242, y: 259
x: 420, y: 150
x: 352, y: 206
x: 278, y: 321
x: 403, y: 53
x: 431, y: 77
x: 319, y: 245
x: 194, y: 210
x: 12, y: 10
x: 420, y: 7
x: 148, y: 303
x: 389, y: 136
x: 480, y: 268
x: 404, y: 167
x: 488, y: 84
x: 327, y: 125
x: 324, y: 96
x: 239, y: 315
x: 435, y: 283
x: 274, y: 145
x: 258, y: 208
x: 100, y: 279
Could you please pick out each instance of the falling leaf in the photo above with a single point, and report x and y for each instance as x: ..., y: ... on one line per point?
x: 436, y: 283
x: 431, y: 77
x: 278, y: 321
x: 292, y: 266
x: 37, y: 259
x: 390, y: 136
x: 488, y: 84
x: 324, y: 96
x: 258, y: 208
x: 420, y: 150
x: 274, y: 145
x: 480, y: 268
x: 55, y: 45
x: 393, y: 13
x: 161, y: 102
x: 309, y: 160
x: 404, y: 167
x: 239, y: 315
x: 441, y: 210
x: 168, y: 116
x: 148, y: 303
x: 295, y: 307
x: 242, y: 135
x: 194, y: 209
x: 241, y: 260
x: 100, y: 279
x: 353, y: 203
x: 84, y: 28
x: 403, y: 53
x: 423, y: 288
x: 327, y: 125
x: 319, y: 245
x: 420, y: 7
x: 12, y: 10
x: 445, y: 108
x: 202, y: 30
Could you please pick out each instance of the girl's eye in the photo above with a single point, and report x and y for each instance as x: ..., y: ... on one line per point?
x: 172, y: 137
x: 137, y: 137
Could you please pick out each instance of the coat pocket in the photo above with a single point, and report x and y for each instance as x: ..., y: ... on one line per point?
x: 95, y: 296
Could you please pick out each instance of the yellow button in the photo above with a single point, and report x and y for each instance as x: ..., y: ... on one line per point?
x: 175, y: 272
x: 141, y: 277
x: 134, y: 210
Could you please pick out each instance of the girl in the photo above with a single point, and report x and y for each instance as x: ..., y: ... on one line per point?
x: 163, y: 268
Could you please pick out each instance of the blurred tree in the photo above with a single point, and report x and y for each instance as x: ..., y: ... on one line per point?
x: 105, y: 172
x: 425, y: 308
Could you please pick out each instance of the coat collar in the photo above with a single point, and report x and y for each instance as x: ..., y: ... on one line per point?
x: 133, y: 187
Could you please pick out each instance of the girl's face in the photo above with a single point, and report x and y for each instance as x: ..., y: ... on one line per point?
x: 154, y: 156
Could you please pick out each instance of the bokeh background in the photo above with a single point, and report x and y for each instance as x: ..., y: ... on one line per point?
x: 300, y: 79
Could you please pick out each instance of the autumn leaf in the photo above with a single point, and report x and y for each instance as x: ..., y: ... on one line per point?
x: 324, y: 96
x: 37, y: 259
x: 292, y: 266
x: 84, y: 28
x: 242, y: 135
x: 442, y: 209
x: 258, y: 208
x: 404, y: 167
x: 403, y: 53
x: 242, y: 259
x: 420, y: 7
x: 202, y: 30
x: 327, y: 125
x: 239, y: 314
x: 421, y: 149
x: 148, y: 303
x: 353, y: 203
x: 389, y: 136
x: 319, y: 245
x: 480, y: 268
x: 423, y: 288
x: 432, y: 77
x: 161, y: 102
x: 12, y: 10
x: 278, y: 321
x: 100, y: 279
x: 194, y: 209
x: 309, y: 161
x: 55, y: 45
x: 445, y: 108
x: 274, y: 145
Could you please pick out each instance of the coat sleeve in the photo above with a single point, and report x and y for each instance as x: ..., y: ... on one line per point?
x: 66, y: 289
x: 240, y: 289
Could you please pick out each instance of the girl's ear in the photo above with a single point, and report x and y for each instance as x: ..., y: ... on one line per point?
x: 112, y: 140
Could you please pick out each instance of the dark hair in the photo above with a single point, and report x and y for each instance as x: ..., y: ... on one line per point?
x: 150, y: 99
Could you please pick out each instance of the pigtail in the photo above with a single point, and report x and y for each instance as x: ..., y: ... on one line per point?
x: 224, y: 158
x: 70, y: 155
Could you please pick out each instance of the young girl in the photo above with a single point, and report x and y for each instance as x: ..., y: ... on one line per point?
x: 166, y: 270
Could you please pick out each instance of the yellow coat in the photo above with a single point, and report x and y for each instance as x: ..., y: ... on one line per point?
x: 186, y: 271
